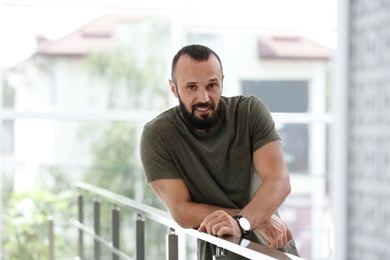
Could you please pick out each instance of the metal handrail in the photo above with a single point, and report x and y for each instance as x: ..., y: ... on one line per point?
x: 237, y: 245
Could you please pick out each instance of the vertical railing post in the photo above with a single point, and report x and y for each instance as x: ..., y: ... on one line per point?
x: 96, y: 225
x: 81, y: 220
x: 50, y: 222
x: 220, y: 254
x: 140, y: 237
x: 172, y: 245
x: 115, y: 230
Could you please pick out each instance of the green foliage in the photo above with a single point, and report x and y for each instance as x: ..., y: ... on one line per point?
x: 6, y: 183
x: 134, y: 72
x: 113, y: 161
x: 130, y: 83
x: 133, y: 78
x: 27, y: 224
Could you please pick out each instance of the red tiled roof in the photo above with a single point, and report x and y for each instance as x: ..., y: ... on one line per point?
x: 291, y: 47
x: 97, y: 35
x: 100, y: 35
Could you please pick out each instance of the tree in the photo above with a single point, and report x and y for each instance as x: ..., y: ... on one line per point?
x: 133, y: 76
x: 27, y: 224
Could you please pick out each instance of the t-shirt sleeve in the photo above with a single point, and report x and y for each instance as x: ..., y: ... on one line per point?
x: 155, y: 156
x: 263, y: 126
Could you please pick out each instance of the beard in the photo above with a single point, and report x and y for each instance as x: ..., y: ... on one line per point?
x: 206, y: 122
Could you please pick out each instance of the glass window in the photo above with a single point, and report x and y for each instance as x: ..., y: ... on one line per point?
x: 287, y: 96
x: 7, y: 137
x: 295, y: 140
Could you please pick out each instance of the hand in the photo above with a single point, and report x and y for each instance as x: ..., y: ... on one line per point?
x: 220, y: 223
x: 275, y: 231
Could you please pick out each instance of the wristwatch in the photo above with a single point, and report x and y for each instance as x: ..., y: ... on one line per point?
x: 244, y: 224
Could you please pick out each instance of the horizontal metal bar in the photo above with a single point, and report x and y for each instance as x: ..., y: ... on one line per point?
x: 303, y: 118
x: 100, y: 239
x: 288, y: 118
x: 80, y: 115
x: 233, y: 244
x: 147, y: 211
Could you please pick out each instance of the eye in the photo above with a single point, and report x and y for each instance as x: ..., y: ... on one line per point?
x: 191, y: 86
x: 212, y: 86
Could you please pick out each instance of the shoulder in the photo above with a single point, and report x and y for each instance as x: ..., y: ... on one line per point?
x: 159, y: 126
x: 164, y: 120
x: 247, y: 103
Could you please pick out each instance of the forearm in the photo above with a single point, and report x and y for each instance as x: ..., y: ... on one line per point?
x: 191, y: 214
x: 267, y: 199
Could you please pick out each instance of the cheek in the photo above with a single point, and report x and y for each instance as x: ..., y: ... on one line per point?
x: 188, y: 100
x: 215, y: 100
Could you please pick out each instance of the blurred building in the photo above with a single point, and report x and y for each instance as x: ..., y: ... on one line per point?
x: 361, y: 142
x: 57, y: 81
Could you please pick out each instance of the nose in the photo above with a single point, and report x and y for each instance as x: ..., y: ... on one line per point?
x: 203, y: 96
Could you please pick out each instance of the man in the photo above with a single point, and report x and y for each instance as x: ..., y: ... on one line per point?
x: 202, y: 158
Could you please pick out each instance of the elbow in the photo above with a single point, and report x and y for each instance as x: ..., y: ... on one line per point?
x: 288, y: 189
x: 286, y: 186
x: 180, y: 221
x: 182, y: 218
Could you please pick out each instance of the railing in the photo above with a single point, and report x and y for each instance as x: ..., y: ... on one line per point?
x: 237, y: 245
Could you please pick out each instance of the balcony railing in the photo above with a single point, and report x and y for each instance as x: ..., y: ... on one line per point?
x: 118, y: 202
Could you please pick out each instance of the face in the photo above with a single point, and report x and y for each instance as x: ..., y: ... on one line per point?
x: 198, y: 86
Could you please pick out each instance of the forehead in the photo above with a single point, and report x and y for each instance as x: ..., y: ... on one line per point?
x: 187, y: 67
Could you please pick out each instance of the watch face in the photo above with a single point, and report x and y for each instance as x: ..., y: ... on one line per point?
x: 244, y: 223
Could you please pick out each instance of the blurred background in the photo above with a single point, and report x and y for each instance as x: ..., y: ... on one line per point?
x: 79, y: 79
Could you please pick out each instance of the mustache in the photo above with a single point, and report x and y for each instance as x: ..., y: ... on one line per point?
x: 207, y: 104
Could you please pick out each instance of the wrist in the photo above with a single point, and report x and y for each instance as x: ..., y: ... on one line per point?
x: 243, y: 224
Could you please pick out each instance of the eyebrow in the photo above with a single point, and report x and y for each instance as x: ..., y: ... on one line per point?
x: 191, y: 83
x: 194, y: 82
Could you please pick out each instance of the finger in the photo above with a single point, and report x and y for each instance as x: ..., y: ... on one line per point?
x: 289, y: 235
x: 224, y: 231
x: 202, y: 227
x: 273, y: 244
x: 281, y: 243
x: 207, y: 224
x: 275, y: 240
x: 219, y: 229
x: 213, y: 226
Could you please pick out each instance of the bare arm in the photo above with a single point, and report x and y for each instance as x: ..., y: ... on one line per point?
x: 176, y: 196
x: 218, y: 221
x: 269, y: 163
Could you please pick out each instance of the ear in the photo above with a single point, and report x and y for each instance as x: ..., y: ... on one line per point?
x: 223, y: 76
x: 173, y: 88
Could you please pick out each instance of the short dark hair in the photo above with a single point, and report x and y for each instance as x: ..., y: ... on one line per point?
x: 196, y: 52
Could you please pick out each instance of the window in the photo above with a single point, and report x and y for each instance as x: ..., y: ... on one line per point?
x: 290, y: 96
x: 7, y: 137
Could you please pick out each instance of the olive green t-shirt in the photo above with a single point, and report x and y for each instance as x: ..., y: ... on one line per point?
x: 216, y: 166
